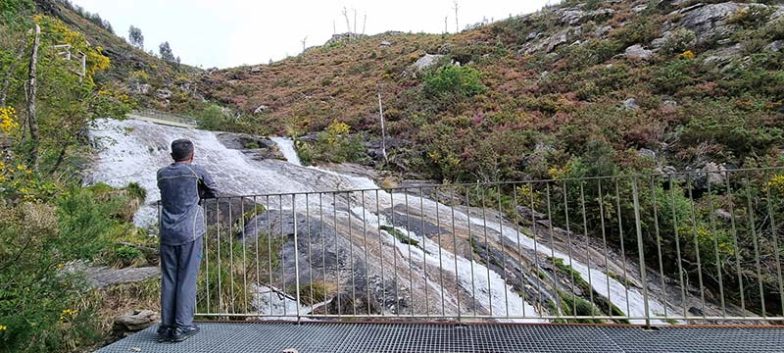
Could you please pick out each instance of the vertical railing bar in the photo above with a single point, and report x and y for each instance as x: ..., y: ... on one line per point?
x: 655, y: 202
x: 220, y: 255
x: 640, y: 250
x: 696, y: 241
x: 623, y: 246
x: 365, y: 247
x: 678, y: 247
x: 587, y: 246
x: 712, y: 220
x: 775, y: 236
x: 323, y: 241
x: 310, y: 248
x: 258, y: 234
x: 755, y: 241
x: 283, y: 237
x: 296, y: 253
x: 487, y: 250
x: 269, y: 253
x: 569, y: 246
x: 440, y: 259
x: 381, y: 255
x: 454, y: 240
x: 231, y: 258
x: 395, y: 252
x: 735, y: 244
x: 501, y: 238
x: 410, y: 264
x: 604, y: 245
x: 207, y: 255
x: 536, y: 246
x: 351, y: 255
x: 556, y: 290
x: 424, y: 243
x: 337, y: 251
x: 244, y: 256
x: 519, y: 248
x: 471, y: 243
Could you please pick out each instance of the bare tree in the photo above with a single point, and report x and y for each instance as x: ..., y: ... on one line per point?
x: 334, y: 28
x: 457, y: 23
x: 446, y: 27
x: 31, y: 92
x: 364, y: 24
x: 348, y: 22
x: 355, y: 21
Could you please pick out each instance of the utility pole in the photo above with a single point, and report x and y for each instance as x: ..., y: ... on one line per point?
x: 334, y: 28
x: 457, y: 24
x: 304, y: 43
x: 383, y: 130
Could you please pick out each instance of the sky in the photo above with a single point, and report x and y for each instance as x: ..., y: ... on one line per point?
x: 228, y: 33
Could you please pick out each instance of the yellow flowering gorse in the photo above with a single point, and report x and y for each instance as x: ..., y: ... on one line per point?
x: 8, y: 120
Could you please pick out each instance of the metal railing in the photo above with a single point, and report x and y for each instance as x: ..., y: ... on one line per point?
x: 156, y: 115
x: 642, y: 249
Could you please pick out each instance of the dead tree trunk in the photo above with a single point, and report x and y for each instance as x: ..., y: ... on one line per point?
x: 383, y: 130
x: 31, y: 92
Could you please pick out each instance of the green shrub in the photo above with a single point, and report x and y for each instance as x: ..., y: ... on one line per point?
x: 751, y: 16
x: 641, y: 30
x: 453, y: 82
x: 671, y: 77
x: 679, y: 41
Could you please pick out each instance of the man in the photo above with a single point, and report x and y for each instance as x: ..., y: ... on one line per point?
x: 182, y: 226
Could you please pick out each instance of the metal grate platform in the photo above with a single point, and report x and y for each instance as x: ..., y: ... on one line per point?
x: 443, y: 338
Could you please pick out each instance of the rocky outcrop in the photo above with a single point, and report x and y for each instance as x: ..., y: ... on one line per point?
x: 102, y: 276
x: 712, y: 20
x: 259, y: 148
x: 574, y: 16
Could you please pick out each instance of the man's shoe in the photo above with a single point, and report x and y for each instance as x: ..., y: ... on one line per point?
x: 164, y: 333
x: 180, y: 334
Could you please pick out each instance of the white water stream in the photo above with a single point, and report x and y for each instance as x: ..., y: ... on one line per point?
x: 133, y: 150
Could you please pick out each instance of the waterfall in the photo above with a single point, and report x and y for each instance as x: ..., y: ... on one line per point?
x: 133, y: 150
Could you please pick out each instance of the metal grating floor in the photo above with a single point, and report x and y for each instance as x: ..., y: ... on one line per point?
x: 443, y: 338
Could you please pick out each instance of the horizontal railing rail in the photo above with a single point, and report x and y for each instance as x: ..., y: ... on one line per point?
x: 701, y: 247
x: 165, y: 117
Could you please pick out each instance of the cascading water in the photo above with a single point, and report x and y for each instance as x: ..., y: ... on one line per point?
x: 133, y: 150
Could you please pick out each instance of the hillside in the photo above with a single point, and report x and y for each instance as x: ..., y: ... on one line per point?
x: 151, y: 81
x: 615, y: 85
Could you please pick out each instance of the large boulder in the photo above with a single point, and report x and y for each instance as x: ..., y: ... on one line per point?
x: 426, y: 62
x: 134, y: 321
x: 638, y: 52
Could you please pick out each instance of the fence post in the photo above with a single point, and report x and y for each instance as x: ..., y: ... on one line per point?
x: 296, y: 253
x: 643, y: 274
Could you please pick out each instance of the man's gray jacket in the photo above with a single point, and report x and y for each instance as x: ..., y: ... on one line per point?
x: 182, y: 186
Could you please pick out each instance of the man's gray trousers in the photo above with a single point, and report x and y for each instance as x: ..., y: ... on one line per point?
x: 179, y: 270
